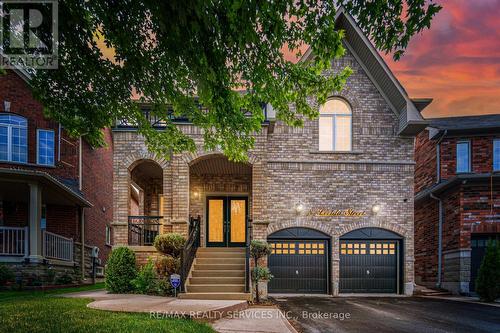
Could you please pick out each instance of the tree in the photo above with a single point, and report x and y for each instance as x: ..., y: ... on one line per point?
x: 488, y: 279
x: 169, y: 51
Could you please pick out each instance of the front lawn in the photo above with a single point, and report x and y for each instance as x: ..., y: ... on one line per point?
x: 45, y: 312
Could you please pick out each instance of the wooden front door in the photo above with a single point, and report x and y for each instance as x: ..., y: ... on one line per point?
x: 226, y: 221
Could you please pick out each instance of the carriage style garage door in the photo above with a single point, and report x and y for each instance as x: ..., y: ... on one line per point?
x: 299, y: 261
x: 370, y: 261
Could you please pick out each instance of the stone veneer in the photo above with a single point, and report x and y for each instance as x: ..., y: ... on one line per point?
x: 287, y: 168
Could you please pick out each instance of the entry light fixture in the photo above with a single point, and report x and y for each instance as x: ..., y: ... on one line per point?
x: 299, y: 208
x: 375, y: 209
x: 6, y: 106
x: 196, y: 194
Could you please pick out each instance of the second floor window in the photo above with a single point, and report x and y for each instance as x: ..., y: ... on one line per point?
x: 45, y: 149
x: 13, y: 138
x: 496, y: 155
x: 463, y: 156
x: 335, y: 126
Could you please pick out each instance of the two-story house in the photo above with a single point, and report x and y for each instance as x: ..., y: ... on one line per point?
x: 55, y: 191
x: 457, y: 199
x: 334, y: 198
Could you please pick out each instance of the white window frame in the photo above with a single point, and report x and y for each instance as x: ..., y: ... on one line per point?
x: 469, y: 145
x: 108, y: 235
x: 38, y: 146
x: 334, y: 126
x: 497, y: 142
x: 9, y: 139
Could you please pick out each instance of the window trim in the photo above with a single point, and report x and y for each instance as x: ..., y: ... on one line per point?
x: 333, y: 119
x: 107, y: 240
x: 9, y: 139
x: 495, y: 140
x: 38, y: 146
x: 469, y: 145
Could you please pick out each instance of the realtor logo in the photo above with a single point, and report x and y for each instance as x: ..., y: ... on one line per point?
x: 28, y: 34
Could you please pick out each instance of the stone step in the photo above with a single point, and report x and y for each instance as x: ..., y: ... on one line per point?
x: 215, y: 261
x: 215, y: 288
x: 217, y: 296
x: 211, y: 267
x: 225, y: 254
x: 217, y: 280
x: 221, y: 249
x: 218, y: 273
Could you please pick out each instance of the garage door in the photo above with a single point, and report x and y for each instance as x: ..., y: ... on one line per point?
x: 298, y: 266
x: 369, y: 266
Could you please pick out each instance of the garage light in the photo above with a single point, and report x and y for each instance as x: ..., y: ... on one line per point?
x: 299, y: 208
x: 376, y: 209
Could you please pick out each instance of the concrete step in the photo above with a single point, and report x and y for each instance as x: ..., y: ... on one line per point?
x: 226, y: 254
x: 217, y: 280
x: 217, y: 296
x: 221, y: 249
x: 215, y: 288
x: 215, y: 261
x: 218, y: 273
x: 211, y: 267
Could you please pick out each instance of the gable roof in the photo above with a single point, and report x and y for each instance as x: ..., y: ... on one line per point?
x: 464, y: 125
x: 408, y: 110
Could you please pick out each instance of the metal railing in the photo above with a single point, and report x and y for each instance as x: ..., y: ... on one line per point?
x: 189, y: 252
x: 142, y: 230
x: 57, y: 247
x: 247, y: 257
x: 13, y: 241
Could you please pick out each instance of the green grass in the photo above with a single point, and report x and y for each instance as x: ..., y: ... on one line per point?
x: 25, y: 311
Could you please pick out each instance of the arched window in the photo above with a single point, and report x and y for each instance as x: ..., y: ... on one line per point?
x: 13, y: 138
x: 335, y: 126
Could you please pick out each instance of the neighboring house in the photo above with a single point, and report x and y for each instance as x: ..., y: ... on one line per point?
x: 55, y: 192
x: 334, y: 198
x: 457, y: 199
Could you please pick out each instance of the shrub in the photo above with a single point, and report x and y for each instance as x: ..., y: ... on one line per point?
x: 145, y: 282
x: 170, y: 244
x: 259, y: 249
x: 261, y: 274
x: 65, y: 278
x: 120, y: 270
x: 488, y: 279
x: 6, y: 275
x: 167, y: 265
x: 165, y: 288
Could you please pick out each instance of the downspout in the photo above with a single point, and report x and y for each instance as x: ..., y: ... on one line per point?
x: 82, y: 214
x: 440, y: 210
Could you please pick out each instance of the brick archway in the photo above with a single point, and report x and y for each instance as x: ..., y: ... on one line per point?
x: 191, y: 158
x: 273, y: 227
x: 135, y: 158
x: 372, y: 224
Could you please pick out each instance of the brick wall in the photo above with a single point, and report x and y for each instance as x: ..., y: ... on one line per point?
x: 426, y: 161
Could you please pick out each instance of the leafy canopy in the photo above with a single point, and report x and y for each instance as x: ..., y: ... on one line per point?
x: 169, y: 51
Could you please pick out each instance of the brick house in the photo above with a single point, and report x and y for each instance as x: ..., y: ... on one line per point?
x: 334, y: 198
x: 457, y: 199
x: 55, y: 191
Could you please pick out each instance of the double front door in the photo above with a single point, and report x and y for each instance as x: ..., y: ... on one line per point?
x: 226, y: 220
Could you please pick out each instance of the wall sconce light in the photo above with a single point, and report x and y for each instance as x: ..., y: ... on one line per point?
x: 196, y: 194
x: 376, y: 209
x: 299, y: 208
x: 6, y: 106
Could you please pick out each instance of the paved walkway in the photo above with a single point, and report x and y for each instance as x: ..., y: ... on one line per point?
x: 256, y: 320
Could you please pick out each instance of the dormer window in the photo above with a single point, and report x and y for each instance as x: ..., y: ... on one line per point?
x: 13, y: 138
x: 335, y: 126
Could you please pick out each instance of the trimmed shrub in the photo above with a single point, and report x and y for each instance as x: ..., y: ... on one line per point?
x: 261, y: 274
x: 488, y: 279
x: 145, y: 282
x: 259, y: 249
x: 120, y: 270
x: 170, y: 244
x: 167, y: 265
x: 6, y: 275
x: 64, y: 278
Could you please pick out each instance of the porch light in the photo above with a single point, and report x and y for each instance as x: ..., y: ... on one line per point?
x: 299, y: 208
x: 196, y: 194
x: 376, y: 209
x: 6, y: 106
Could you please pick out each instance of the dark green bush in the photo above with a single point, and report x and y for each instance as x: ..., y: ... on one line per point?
x: 488, y: 279
x: 170, y: 244
x: 120, y: 270
x: 64, y: 278
x: 167, y: 265
x: 259, y: 249
x: 145, y: 281
x: 6, y: 275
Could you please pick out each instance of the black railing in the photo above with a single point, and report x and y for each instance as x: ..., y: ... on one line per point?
x: 247, y: 258
x: 189, y: 252
x: 142, y: 230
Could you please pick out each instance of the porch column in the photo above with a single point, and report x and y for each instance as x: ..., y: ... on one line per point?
x: 35, y: 215
x: 180, y: 195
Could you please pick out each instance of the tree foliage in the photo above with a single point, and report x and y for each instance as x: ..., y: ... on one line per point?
x: 169, y: 51
x: 488, y: 279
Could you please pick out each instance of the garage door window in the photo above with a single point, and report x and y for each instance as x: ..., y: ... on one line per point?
x: 375, y: 248
x: 298, y: 248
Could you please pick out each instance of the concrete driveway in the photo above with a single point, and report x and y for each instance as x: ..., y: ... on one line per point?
x: 388, y: 314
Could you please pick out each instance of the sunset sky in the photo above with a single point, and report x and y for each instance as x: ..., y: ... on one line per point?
x: 457, y: 61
